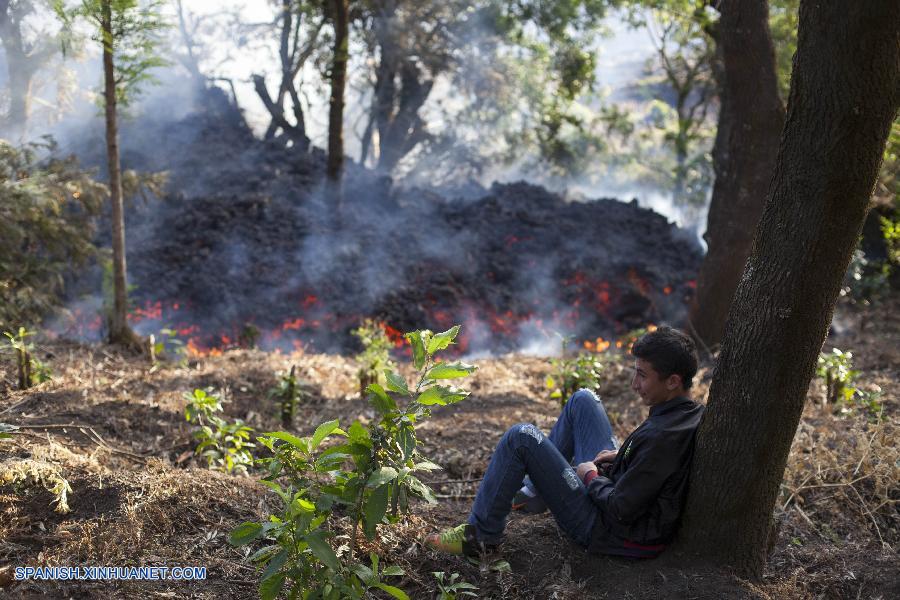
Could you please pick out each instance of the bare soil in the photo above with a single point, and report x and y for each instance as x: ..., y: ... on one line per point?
x: 115, y: 428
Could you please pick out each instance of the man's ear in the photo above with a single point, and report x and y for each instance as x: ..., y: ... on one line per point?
x: 673, y: 382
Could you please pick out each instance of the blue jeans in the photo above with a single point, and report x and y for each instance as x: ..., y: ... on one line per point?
x: 582, y: 431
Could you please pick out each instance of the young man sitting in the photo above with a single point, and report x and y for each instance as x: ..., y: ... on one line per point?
x: 623, y: 501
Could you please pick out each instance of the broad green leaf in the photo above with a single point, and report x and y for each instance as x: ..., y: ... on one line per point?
x: 303, y: 506
x: 321, y: 550
x: 375, y: 509
x: 439, y: 341
x: 276, y: 488
x: 275, y: 564
x: 271, y: 587
x: 426, y: 465
x: 364, y: 573
x: 396, y: 382
x: 264, y: 552
x: 380, y: 400
x: 392, y: 571
x: 421, y: 490
x: 381, y: 476
x: 501, y: 566
x: 358, y: 434
x: 393, y: 591
x: 323, y: 431
x: 441, y: 395
x: 407, y: 440
x: 244, y: 533
x: 450, y: 370
x: 418, y: 348
x: 293, y: 440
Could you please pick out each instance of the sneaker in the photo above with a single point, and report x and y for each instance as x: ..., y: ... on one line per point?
x: 459, y: 540
x: 528, y: 502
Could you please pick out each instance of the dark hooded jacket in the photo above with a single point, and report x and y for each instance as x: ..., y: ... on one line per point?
x: 640, y: 497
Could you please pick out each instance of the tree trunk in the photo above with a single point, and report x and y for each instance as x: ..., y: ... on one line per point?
x: 750, y: 122
x: 845, y: 90
x: 338, y: 82
x: 119, y: 331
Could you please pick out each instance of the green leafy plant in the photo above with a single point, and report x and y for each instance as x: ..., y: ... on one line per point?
x: 376, y: 354
x: 168, y: 342
x: 571, y: 373
x: 288, y: 394
x: 361, y: 480
x: 452, y: 588
x: 30, y: 370
x: 836, y: 370
x: 225, y: 445
x: 249, y: 336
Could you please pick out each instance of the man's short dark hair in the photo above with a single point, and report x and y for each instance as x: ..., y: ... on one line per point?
x: 670, y: 351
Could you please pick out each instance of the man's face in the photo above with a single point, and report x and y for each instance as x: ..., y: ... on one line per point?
x: 650, y: 387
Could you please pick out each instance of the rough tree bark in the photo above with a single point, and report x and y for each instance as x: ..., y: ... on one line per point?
x: 750, y: 122
x: 845, y: 91
x: 119, y: 331
x: 341, y: 18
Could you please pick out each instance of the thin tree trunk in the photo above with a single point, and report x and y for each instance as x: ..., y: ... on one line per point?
x: 119, y: 331
x: 338, y: 82
x: 845, y: 90
x: 750, y: 123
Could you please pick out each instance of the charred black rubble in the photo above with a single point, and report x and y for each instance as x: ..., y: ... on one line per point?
x: 246, y: 240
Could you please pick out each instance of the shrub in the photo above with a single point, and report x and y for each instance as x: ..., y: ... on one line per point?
x: 376, y: 355
x: 571, y: 373
x: 451, y: 588
x: 287, y: 394
x: 841, y: 391
x: 30, y: 370
x: 365, y: 478
x: 46, y: 228
x: 226, y: 446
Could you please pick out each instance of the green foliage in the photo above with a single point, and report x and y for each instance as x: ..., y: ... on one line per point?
x: 571, y: 373
x: 841, y: 389
x: 225, y: 445
x: 46, y: 228
x: 31, y: 370
x: 376, y: 355
x: 366, y: 476
x: 7, y: 431
x: 168, y: 342
x: 836, y: 369
x: 134, y: 35
x: 287, y: 394
x: 452, y: 588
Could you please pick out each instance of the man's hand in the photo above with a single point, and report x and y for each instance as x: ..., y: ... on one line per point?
x: 583, y: 469
x: 605, y: 456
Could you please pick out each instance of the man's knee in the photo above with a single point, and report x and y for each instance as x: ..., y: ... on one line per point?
x: 524, y: 434
x: 583, y: 396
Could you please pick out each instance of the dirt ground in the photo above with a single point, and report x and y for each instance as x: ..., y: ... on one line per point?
x: 115, y: 429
